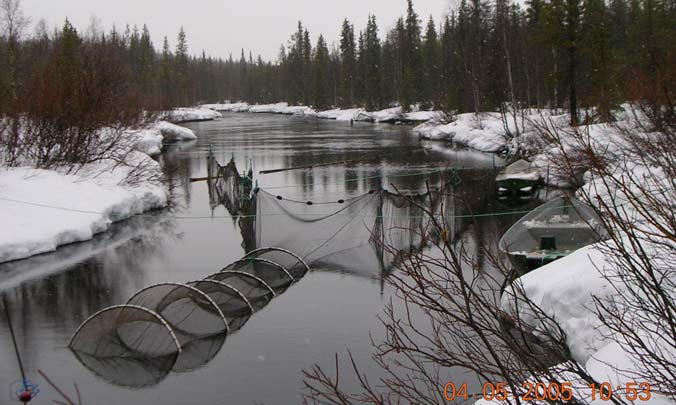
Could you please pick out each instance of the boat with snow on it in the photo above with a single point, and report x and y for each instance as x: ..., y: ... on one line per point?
x: 549, y: 232
x: 518, y: 183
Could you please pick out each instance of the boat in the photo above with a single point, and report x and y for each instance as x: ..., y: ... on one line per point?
x: 518, y: 183
x: 549, y: 232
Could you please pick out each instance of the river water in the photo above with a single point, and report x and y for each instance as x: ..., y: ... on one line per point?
x: 325, y: 313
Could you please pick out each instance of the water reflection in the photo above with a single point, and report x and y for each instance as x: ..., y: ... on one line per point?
x: 52, y: 294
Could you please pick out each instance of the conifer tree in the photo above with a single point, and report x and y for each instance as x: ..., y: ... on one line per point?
x: 371, y: 62
x: 411, y: 83
x: 181, y: 67
x: 598, y: 65
x: 321, y: 91
x: 307, y: 68
x: 431, y: 66
x: 348, y: 65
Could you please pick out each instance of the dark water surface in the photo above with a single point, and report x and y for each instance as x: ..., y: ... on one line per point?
x: 326, y: 312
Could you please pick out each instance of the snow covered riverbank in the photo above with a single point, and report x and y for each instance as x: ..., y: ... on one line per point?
x: 389, y: 115
x: 150, y: 140
x: 187, y: 114
x: 588, y: 291
x: 43, y: 209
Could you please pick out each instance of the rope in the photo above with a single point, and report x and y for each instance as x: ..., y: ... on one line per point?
x: 184, y: 217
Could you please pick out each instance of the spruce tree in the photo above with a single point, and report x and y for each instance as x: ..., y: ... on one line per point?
x: 598, y: 68
x: 348, y: 65
x: 321, y: 91
x: 181, y: 68
x: 411, y: 83
x: 372, y: 77
x: 430, y: 66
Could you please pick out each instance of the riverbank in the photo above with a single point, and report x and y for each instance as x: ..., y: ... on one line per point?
x: 624, y: 170
x: 392, y: 115
x: 43, y: 209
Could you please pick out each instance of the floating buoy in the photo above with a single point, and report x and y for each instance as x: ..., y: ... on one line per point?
x: 309, y: 203
x: 25, y: 396
x: 341, y: 201
x: 279, y: 197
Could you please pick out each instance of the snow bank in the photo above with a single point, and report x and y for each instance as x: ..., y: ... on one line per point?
x: 86, y: 204
x: 388, y: 115
x: 173, y: 133
x: 340, y: 114
x: 235, y: 107
x: 567, y: 289
x: 179, y: 115
x: 282, y: 108
x: 150, y: 140
x: 564, y: 289
x: 484, y: 132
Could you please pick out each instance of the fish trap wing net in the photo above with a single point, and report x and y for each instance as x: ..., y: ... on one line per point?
x: 364, y: 234
x: 226, y: 186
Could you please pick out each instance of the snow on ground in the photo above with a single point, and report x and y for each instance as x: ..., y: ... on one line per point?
x: 566, y: 288
x: 235, y: 107
x: 87, y: 203
x: 151, y: 139
x: 43, y: 209
x: 388, y: 115
x: 341, y: 114
x: 484, y: 133
x: 173, y: 133
x: 185, y: 114
x: 282, y: 108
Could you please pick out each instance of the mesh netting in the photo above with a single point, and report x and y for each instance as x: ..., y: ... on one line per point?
x: 127, y: 345
x: 183, y: 326
x: 199, y: 352
x: 257, y: 291
x: 274, y: 275
x: 227, y: 186
x: 363, y: 235
x: 233, y: 304
x: 190, y: 312
x: 291, y: 261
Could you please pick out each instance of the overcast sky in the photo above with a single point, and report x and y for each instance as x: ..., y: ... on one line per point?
x: 223, y: 26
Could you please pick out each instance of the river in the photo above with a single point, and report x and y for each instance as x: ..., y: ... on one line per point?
x: 327, y: 312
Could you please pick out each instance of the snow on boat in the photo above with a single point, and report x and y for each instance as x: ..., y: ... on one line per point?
x: 519, y: 182
x: 549, y: 232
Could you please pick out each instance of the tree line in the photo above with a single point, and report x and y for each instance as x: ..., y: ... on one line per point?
x: 586, y: 56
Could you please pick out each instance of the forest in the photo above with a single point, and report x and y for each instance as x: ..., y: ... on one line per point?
x: 584, y: 56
